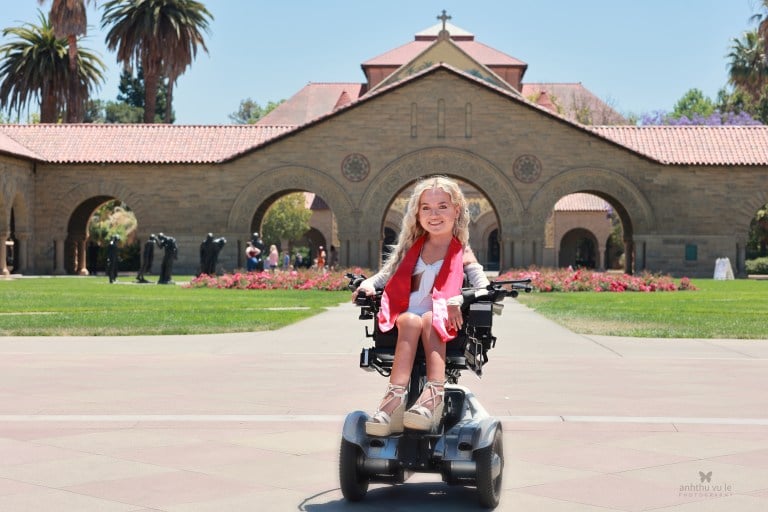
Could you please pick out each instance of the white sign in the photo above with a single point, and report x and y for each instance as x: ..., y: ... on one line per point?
x: 723, y: 270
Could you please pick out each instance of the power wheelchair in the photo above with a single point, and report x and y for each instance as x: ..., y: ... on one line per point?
x: 467, y: 447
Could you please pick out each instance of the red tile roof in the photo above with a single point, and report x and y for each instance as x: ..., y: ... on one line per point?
x: 8, y: 145
x: 693, y: 145
x: 483, y: 54
x: 312, y: 101
x: 90, y: 143
x: 135, y: 143
x: 581, y: 202
x: 573, y: 98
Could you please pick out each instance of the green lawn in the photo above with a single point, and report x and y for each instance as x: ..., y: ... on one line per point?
x: 719, y: 309
x: 74, y: 306
x: 90, y: 306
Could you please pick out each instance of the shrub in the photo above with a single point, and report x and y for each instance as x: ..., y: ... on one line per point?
x: 757, y: 266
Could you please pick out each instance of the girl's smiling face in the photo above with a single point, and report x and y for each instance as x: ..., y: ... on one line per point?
x: 437, y: 213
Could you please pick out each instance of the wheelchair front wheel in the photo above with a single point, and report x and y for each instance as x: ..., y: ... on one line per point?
x: 354, y: 484
x: 490, y: 469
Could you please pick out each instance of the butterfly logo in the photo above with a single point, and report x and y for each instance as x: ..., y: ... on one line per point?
x: 705, y: 476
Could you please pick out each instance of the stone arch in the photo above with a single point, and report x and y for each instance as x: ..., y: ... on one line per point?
x: 70, y: 219
x: 746, y: 209
x: 86, y: 191
x: 460, y: 164
x: 630, y: 204
x: 280, y: 180
x: 567, y: 248
x: 628, y: 200
x: 484, y: 226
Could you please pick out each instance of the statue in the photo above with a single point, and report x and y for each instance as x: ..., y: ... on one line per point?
x: 209, y: 254
x: 112, y: 258
x: 258, y: 244
x: 148, y: 257
x: 170, y: 253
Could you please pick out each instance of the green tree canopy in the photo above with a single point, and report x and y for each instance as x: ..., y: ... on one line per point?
x: 250, y: 111
x: 693, y: 103
x: 35, y: 68
x: 286, y: 219
x: 160, y: 36
x: 69, y: 21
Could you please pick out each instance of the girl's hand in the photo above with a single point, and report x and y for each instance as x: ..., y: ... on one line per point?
x: 455, y: 319
x: 363, y: 289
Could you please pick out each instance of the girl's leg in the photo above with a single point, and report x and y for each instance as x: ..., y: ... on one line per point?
x: 434, y: 350
x: 409, y: 331
x: 388, y: 418
x: 428, y: 409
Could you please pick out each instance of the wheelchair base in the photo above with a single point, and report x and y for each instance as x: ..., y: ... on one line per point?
x: 466, y: 450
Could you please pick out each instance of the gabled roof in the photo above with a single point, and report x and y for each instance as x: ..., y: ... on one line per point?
x: 168, y: 144
x: 312, y: 101
x: 478, y: 51
x: 443, y: 49
x: 134, y: 143
x: 692, y: 145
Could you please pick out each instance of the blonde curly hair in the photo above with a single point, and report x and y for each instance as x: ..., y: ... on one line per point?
x: 411, y: 230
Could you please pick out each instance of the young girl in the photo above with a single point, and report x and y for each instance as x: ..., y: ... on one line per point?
x: 422, y: 298
x: 273, y: 257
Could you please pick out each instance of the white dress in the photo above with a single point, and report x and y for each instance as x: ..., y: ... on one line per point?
x: 420, y: 300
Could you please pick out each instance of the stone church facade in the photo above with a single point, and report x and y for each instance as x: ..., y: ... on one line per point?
x: 685, y: 195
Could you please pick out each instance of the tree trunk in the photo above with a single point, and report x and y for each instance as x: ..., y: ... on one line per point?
x: 48, y: 107
x: 74, y: 99
x: 169, y: 100
x: 150, y: 94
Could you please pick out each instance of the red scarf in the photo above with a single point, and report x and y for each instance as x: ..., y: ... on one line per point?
x: 448, y: 283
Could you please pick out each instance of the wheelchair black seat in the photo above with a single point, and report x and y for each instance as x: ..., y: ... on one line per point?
x: 467, y: 351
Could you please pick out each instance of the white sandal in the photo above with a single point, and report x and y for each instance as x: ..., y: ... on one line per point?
x: 383, y: 424
x: 421, y: 417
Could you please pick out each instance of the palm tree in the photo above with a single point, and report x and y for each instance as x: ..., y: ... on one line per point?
x: 747, y: 68
x: 160, y: 36
x: 762, y: 23
x: 69, y: 21
x: 36, y: 67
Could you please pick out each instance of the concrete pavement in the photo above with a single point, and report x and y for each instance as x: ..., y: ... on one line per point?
x: 252, y: 421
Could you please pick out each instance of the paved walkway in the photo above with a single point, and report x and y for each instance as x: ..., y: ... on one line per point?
x: 252, y: 421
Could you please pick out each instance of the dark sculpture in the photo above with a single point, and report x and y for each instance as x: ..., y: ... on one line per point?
x: 148, y: 256
x: 209, y: 254
x: 112, y: 258
x: 256, y: 257
x: 170, y: 253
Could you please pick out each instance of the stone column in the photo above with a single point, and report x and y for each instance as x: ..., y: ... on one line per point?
x: 58, y: 266
x: 4, y: 272
x: 741, y: 258
x: 629, y: 257
x: 82, y: 257
x: 22, y: 251
x: 600, y: 257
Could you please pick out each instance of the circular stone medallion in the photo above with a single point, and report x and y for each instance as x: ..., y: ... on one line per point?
x: 355, y: 167
x: 527, y: 168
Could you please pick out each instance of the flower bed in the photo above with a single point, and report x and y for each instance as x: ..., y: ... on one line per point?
x: 543, y: 280
x: 306, y: 279
x: 581, y: 280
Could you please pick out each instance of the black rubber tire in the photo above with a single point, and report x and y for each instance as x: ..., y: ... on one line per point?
x: 489, y: 488
x: 354, y: 484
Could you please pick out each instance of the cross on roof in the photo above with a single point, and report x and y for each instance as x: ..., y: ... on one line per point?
x: 443, y: 17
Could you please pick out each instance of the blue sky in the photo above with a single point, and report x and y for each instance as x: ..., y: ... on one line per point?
x: 640, y: 56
